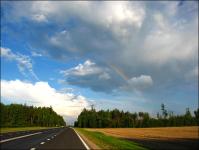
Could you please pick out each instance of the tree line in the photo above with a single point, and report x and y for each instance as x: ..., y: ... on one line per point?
x: 120, y: 119
x: 17, y: 115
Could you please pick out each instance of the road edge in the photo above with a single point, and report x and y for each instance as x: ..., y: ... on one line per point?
x: 84, y: 143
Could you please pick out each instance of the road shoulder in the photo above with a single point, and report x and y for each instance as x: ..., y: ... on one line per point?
x: 91, y: 145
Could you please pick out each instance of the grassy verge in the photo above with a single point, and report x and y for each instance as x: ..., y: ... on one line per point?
x: 109, y: 142
x: 6, y: 130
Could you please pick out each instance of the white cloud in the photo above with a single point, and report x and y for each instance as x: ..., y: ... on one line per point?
x: 104, y: 76
x: 90, y: 75
x: 161, y: 40
x: 6, y: 52
x: 166, y: 42
x: 156, y: 38
x: 116, y: 16
x: 87, y: 68
x: 193, y: 74
x: 24, y: 62
x: 36, y: 54
x: 39, y: 18
x: 141, y: 82
x: 42, y: 94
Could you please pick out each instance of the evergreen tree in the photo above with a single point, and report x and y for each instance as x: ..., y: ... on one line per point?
x: 17, y: 115
x: 116, y: 119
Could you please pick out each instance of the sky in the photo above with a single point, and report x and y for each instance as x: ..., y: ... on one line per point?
x: 128, y: 55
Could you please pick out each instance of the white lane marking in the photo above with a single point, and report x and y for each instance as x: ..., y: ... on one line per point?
x: 86, y: 146
x: 19, y: 137
x: 48, y: 139
x: 42, y: 143
x: 33, y: 148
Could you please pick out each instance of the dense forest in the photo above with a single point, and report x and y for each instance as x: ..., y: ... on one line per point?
x: 16, y: 115
x: 115, y: 119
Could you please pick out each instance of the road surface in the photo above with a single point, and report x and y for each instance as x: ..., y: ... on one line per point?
x: 57, y: 138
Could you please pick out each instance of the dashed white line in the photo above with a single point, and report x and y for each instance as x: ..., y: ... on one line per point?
x: 48, y: 139
x: 33, y: 148
x: 42, y: 143
x: 19, y: 137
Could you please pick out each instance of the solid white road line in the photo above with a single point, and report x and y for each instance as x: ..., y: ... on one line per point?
x: 86, y: 146
x: 19, y: 137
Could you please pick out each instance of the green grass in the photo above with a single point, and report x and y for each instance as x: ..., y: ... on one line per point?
x: 6, y: 130
x: 109, y: 142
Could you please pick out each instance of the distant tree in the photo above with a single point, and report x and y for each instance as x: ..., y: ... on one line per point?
x: 17, y: 115
x: 116, y: 118
x: 164, y: 111
x: 187, y: 117
x: 158, y: 115
x: 135, y: 118
x: 196, y: 113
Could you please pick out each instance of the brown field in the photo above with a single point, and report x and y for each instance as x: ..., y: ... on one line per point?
x: 165, y: 138
x: 152, y: 133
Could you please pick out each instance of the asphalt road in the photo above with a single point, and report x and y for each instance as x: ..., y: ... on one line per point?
x: 58, y: 138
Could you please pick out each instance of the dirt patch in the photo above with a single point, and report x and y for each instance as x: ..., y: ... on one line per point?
x: 166, y: 138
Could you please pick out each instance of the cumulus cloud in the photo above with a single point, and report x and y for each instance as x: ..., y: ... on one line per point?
x: 42, y: 94
x: 24, y: 62
x: 90, y: 75
x: 87, y: 68
x: 169, y: 42
x: 39, y: 18
x: 138, y: 37
x: 104, y: 76
x: 116, y: 16
x: 100, y: 78
x: 141, y: 82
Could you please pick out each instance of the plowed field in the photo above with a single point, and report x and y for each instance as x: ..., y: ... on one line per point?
x: 165, y: 138
x: 152, y: 133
